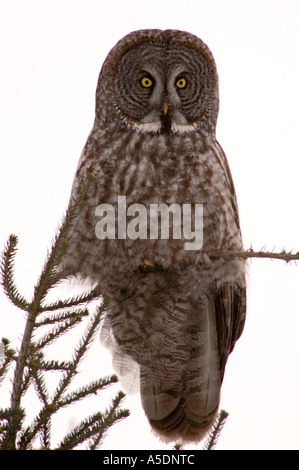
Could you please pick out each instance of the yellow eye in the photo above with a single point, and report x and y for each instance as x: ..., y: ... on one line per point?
x: 181, y: 83
x: 146, y: 82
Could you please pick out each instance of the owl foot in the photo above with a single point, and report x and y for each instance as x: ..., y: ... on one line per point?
x: 147, y: 263
x: 150, y: 267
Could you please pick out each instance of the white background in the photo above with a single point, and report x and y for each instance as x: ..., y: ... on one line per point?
x: 51, y: 54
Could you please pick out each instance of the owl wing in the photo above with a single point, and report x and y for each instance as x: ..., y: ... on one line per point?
x: 229, y: 181
x: 230, y: 311
x: 230, y: 299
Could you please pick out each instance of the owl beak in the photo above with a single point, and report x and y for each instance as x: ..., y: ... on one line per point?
x: 165, y: 108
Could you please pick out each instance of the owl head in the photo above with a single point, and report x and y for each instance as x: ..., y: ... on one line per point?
x: 159, y: 82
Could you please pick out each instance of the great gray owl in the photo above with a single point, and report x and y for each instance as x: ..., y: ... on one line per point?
x: 176, y: 311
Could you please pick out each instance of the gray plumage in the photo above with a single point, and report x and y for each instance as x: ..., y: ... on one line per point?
x: 175, y: 314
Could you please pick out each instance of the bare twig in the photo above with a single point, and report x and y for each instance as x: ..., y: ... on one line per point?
x: 286, y: 256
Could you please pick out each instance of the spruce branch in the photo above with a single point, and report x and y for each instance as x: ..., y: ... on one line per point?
x: 54, y: 365
x: 80, y: 352
x: 57, y: 331
x: 58, y: 318
x: 94, y: 427
x: 39, y: 384
x: 20, y: 364
x: 178, y: 446
x: 61, y: 316
x: 13, y: 419
x: 46, y: 436
x: 7, y: 273
x: 215, y: 432
x: 87, y: 390
x: 64, y: 316
x: 7, y: 355
x: 81, y: 432
x: 73, y: 301
x: 42, y: 419
x: 53, y: 405
x: 111, y: 416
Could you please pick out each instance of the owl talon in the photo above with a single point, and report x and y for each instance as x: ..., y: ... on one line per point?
x: 147, y: 263
x: 149, y: 267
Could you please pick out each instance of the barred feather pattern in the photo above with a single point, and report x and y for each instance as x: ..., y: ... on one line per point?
x: 173, y: 322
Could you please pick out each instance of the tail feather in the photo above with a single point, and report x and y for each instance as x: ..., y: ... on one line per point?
x: 185, y: 405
